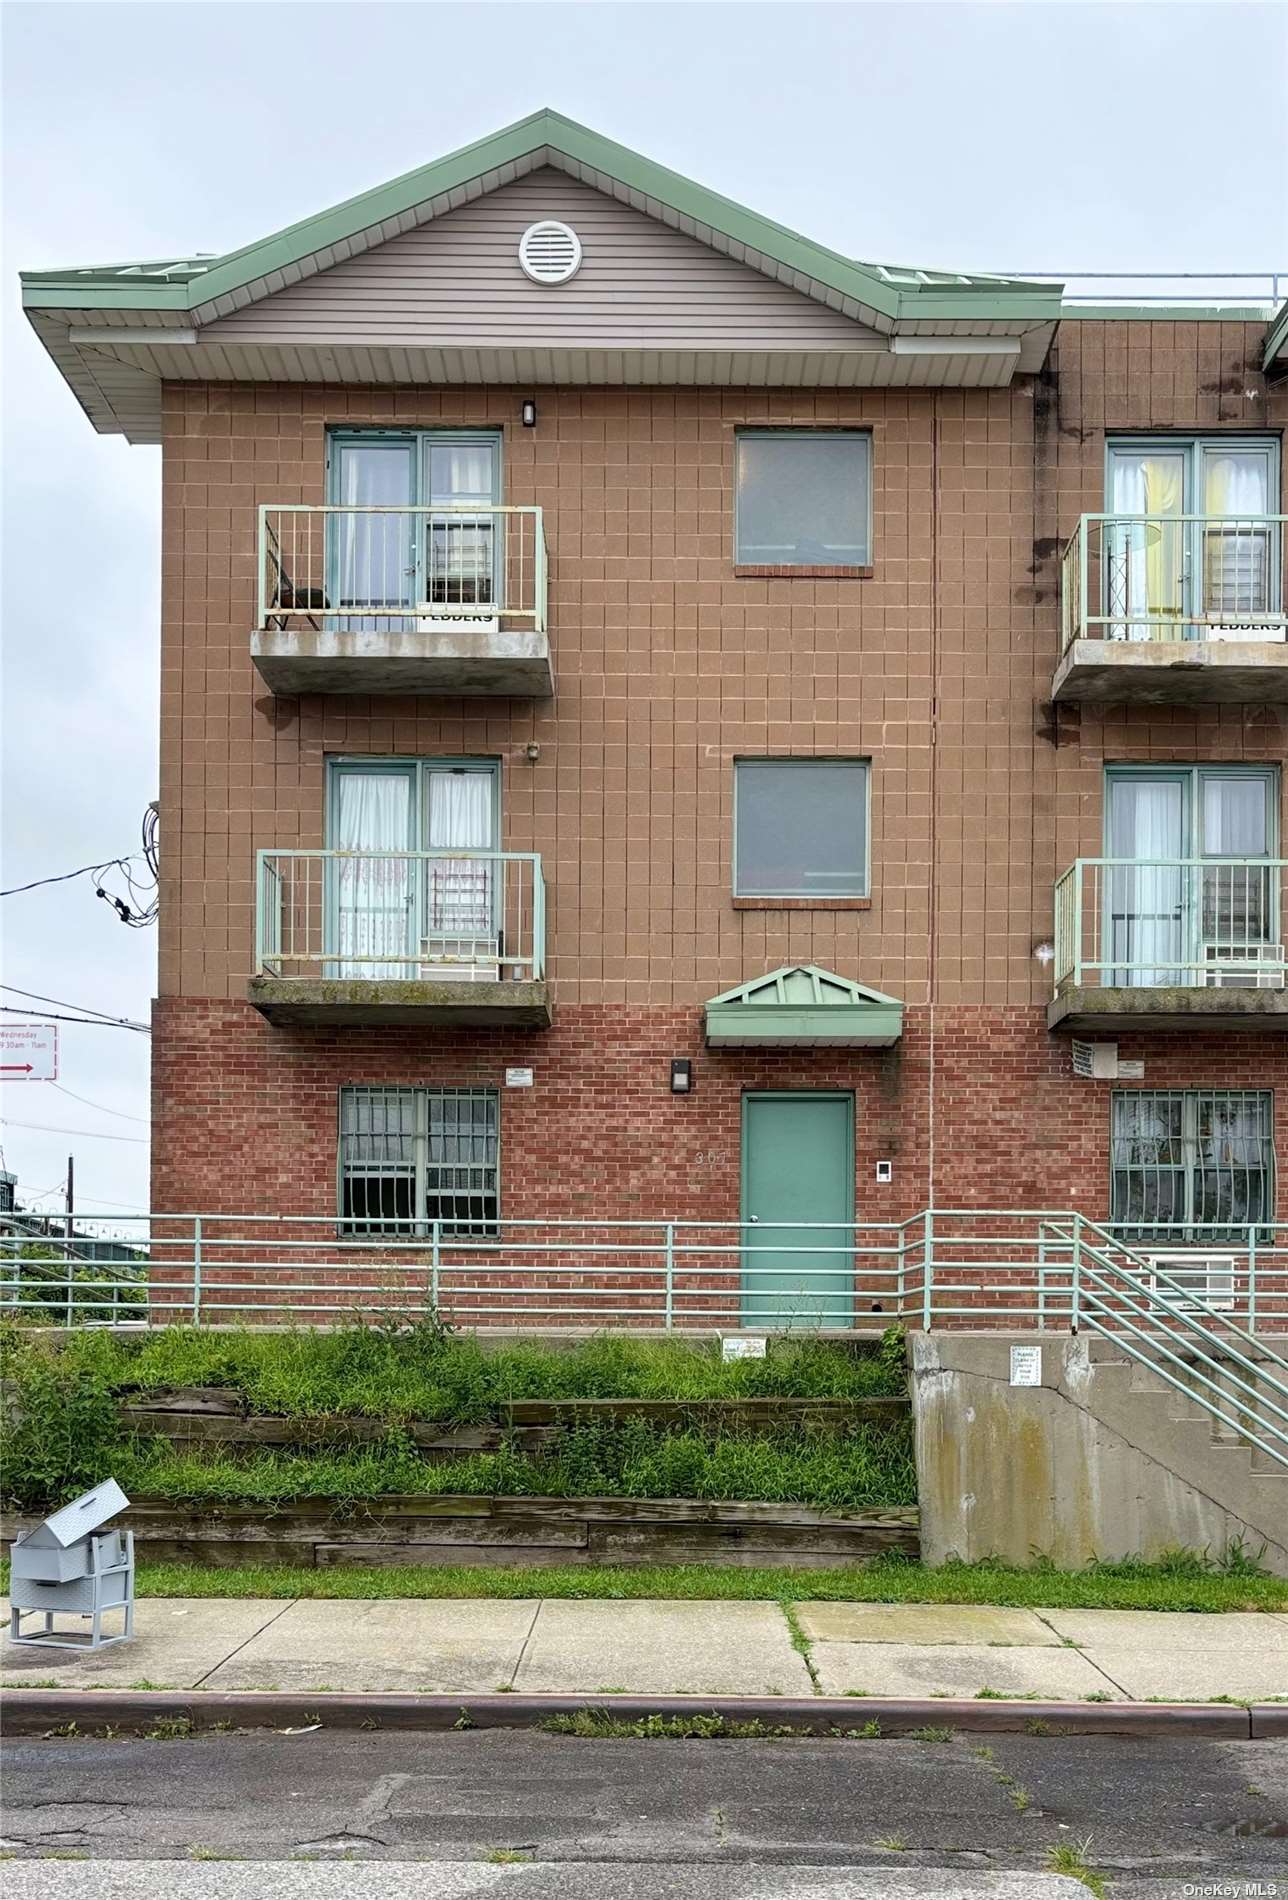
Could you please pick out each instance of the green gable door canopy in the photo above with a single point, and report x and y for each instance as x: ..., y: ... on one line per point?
x: 803, y: 1007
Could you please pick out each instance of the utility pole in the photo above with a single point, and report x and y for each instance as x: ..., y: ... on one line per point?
x: 71, y: 1192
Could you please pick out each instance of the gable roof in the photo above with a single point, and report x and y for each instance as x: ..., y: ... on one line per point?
x: 803, y: 1006
x: 117, y: 331
x: 216, y: 284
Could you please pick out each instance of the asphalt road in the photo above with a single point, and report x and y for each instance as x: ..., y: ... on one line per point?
x: 728, y: 1820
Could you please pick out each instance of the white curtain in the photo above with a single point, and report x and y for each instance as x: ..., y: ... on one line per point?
x: 1236, y: 556
x: 460, y: 905
x: 1144, y: 560
x: 374, y: 896
x: 1237, y: 898
x: 1146, y: 905
x: 373, y: 552
x: 461, y: 554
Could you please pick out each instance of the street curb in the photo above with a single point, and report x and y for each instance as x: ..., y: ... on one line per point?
x: 38, y: 1711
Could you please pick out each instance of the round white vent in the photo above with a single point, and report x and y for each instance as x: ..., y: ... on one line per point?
x: 550, y: 252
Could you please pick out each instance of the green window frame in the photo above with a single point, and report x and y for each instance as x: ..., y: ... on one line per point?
x: 776, y: 849
x: 836, y: 497
x: 1191, y: 1164
x: 410, y: 1157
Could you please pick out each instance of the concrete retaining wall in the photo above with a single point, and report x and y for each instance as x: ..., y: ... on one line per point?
x: 1102, y: 1459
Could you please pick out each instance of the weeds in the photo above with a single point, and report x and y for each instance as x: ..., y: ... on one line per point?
x: 600, y: 1725
x: 930, y: 1735
x: 505, y: 1856
x: 1070, y: 1857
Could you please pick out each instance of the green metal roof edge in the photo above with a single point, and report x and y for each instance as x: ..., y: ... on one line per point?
x: 861, y: 994
x: 992, y: 299
x: 1276, y: 338
x: 1163, y: 313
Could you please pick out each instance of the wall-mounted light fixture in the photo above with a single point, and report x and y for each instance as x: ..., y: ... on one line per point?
x: 681, y: 1076
x: 1044, y: 953
x: 532, y: 752
x: 529, y: 412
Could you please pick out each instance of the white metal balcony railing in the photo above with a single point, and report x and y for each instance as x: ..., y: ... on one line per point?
x: 1129, y: 923
x: 401, y: 569
x: 1215, y: 1341
x: 400, y: 916
x: 1174, y: 577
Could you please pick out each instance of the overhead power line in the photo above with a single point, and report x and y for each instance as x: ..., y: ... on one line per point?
x: 81, y: 1134
x: 85, y: 1102
x: 87, y: 1009
x: 65, y: 877
x: 86, y: 1022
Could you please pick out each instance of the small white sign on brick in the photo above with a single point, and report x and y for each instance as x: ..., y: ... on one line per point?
x: 28, y: 1052
x: 518, y: 1078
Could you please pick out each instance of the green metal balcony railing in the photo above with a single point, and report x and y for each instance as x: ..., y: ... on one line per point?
x: 401, y: 569
x: 401, y: 916
x: 1174, y: 577
x: 1129, y: 923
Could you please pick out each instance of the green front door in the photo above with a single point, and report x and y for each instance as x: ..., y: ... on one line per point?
x: 797, y: 1172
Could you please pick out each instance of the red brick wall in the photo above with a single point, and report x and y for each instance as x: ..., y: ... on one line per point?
x: 247, y: 1113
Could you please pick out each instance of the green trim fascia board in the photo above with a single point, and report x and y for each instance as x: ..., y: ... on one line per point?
x: 547, y: 129
x: 876, y: 1025
x: 69, y: 295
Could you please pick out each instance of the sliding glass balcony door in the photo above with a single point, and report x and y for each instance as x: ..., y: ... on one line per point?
x: 1198, y: 896
x: 1187, y: 546
x: 383, y: 565
x: 394, y: 909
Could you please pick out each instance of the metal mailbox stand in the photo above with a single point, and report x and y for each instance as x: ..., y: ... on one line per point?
x: 71, y: 1566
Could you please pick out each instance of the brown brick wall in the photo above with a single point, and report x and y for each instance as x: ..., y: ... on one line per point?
x: 669, y: 666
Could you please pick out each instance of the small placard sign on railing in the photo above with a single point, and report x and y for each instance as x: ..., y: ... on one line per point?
x: 743, y: 1346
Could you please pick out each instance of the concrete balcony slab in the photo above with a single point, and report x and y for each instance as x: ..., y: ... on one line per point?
x: 1090, y: 1009
x: 345, y: 1002
x: 1174, y: 672
x: 451, y: 661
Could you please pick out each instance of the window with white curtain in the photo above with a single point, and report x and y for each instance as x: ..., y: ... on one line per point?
x: 1191, y: 1163
x: 393, y: 912
x: 803, y: 498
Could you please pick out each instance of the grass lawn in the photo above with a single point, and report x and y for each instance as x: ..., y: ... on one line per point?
x: 1184, y: 1584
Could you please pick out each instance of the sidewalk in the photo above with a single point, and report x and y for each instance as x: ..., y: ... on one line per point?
x: 558, y: 1646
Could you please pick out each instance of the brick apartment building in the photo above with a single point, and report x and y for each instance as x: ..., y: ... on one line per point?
x: 612, y: 643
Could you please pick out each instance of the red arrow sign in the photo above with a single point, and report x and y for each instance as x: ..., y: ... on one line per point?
x: 6, y: 1066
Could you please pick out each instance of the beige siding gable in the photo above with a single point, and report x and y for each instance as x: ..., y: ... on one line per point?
x: 456, y: 282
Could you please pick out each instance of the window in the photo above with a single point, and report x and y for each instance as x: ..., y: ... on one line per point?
x: 1191, y: 1163
x: 391, y: 913
x: 401, y: 559
x: 1168, y: 924
x: 410, y: 1157
x: 1189, y: 546
x: 800, y: 828
x: 803, y: 498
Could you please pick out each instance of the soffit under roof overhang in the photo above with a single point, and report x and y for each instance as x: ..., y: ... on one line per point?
x: 803, y: 1007
x: 941, y: 329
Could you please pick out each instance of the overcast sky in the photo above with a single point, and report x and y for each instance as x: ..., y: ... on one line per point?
x: 1000, y: 137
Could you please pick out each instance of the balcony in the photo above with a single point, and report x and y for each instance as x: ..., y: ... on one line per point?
x: 442, y: 600
x: 1180, y: 610
x: 401, y: 937
x: 1170, y: 943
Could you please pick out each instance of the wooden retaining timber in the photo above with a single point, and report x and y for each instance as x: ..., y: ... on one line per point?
x: 213, y: 1415
x: 495, y: 1531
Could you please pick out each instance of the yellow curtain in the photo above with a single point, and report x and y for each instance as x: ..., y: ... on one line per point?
x: 1163, y: 481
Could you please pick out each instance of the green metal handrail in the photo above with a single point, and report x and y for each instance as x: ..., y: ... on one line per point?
x: 1129, y: 577
x: 1127, y: 923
